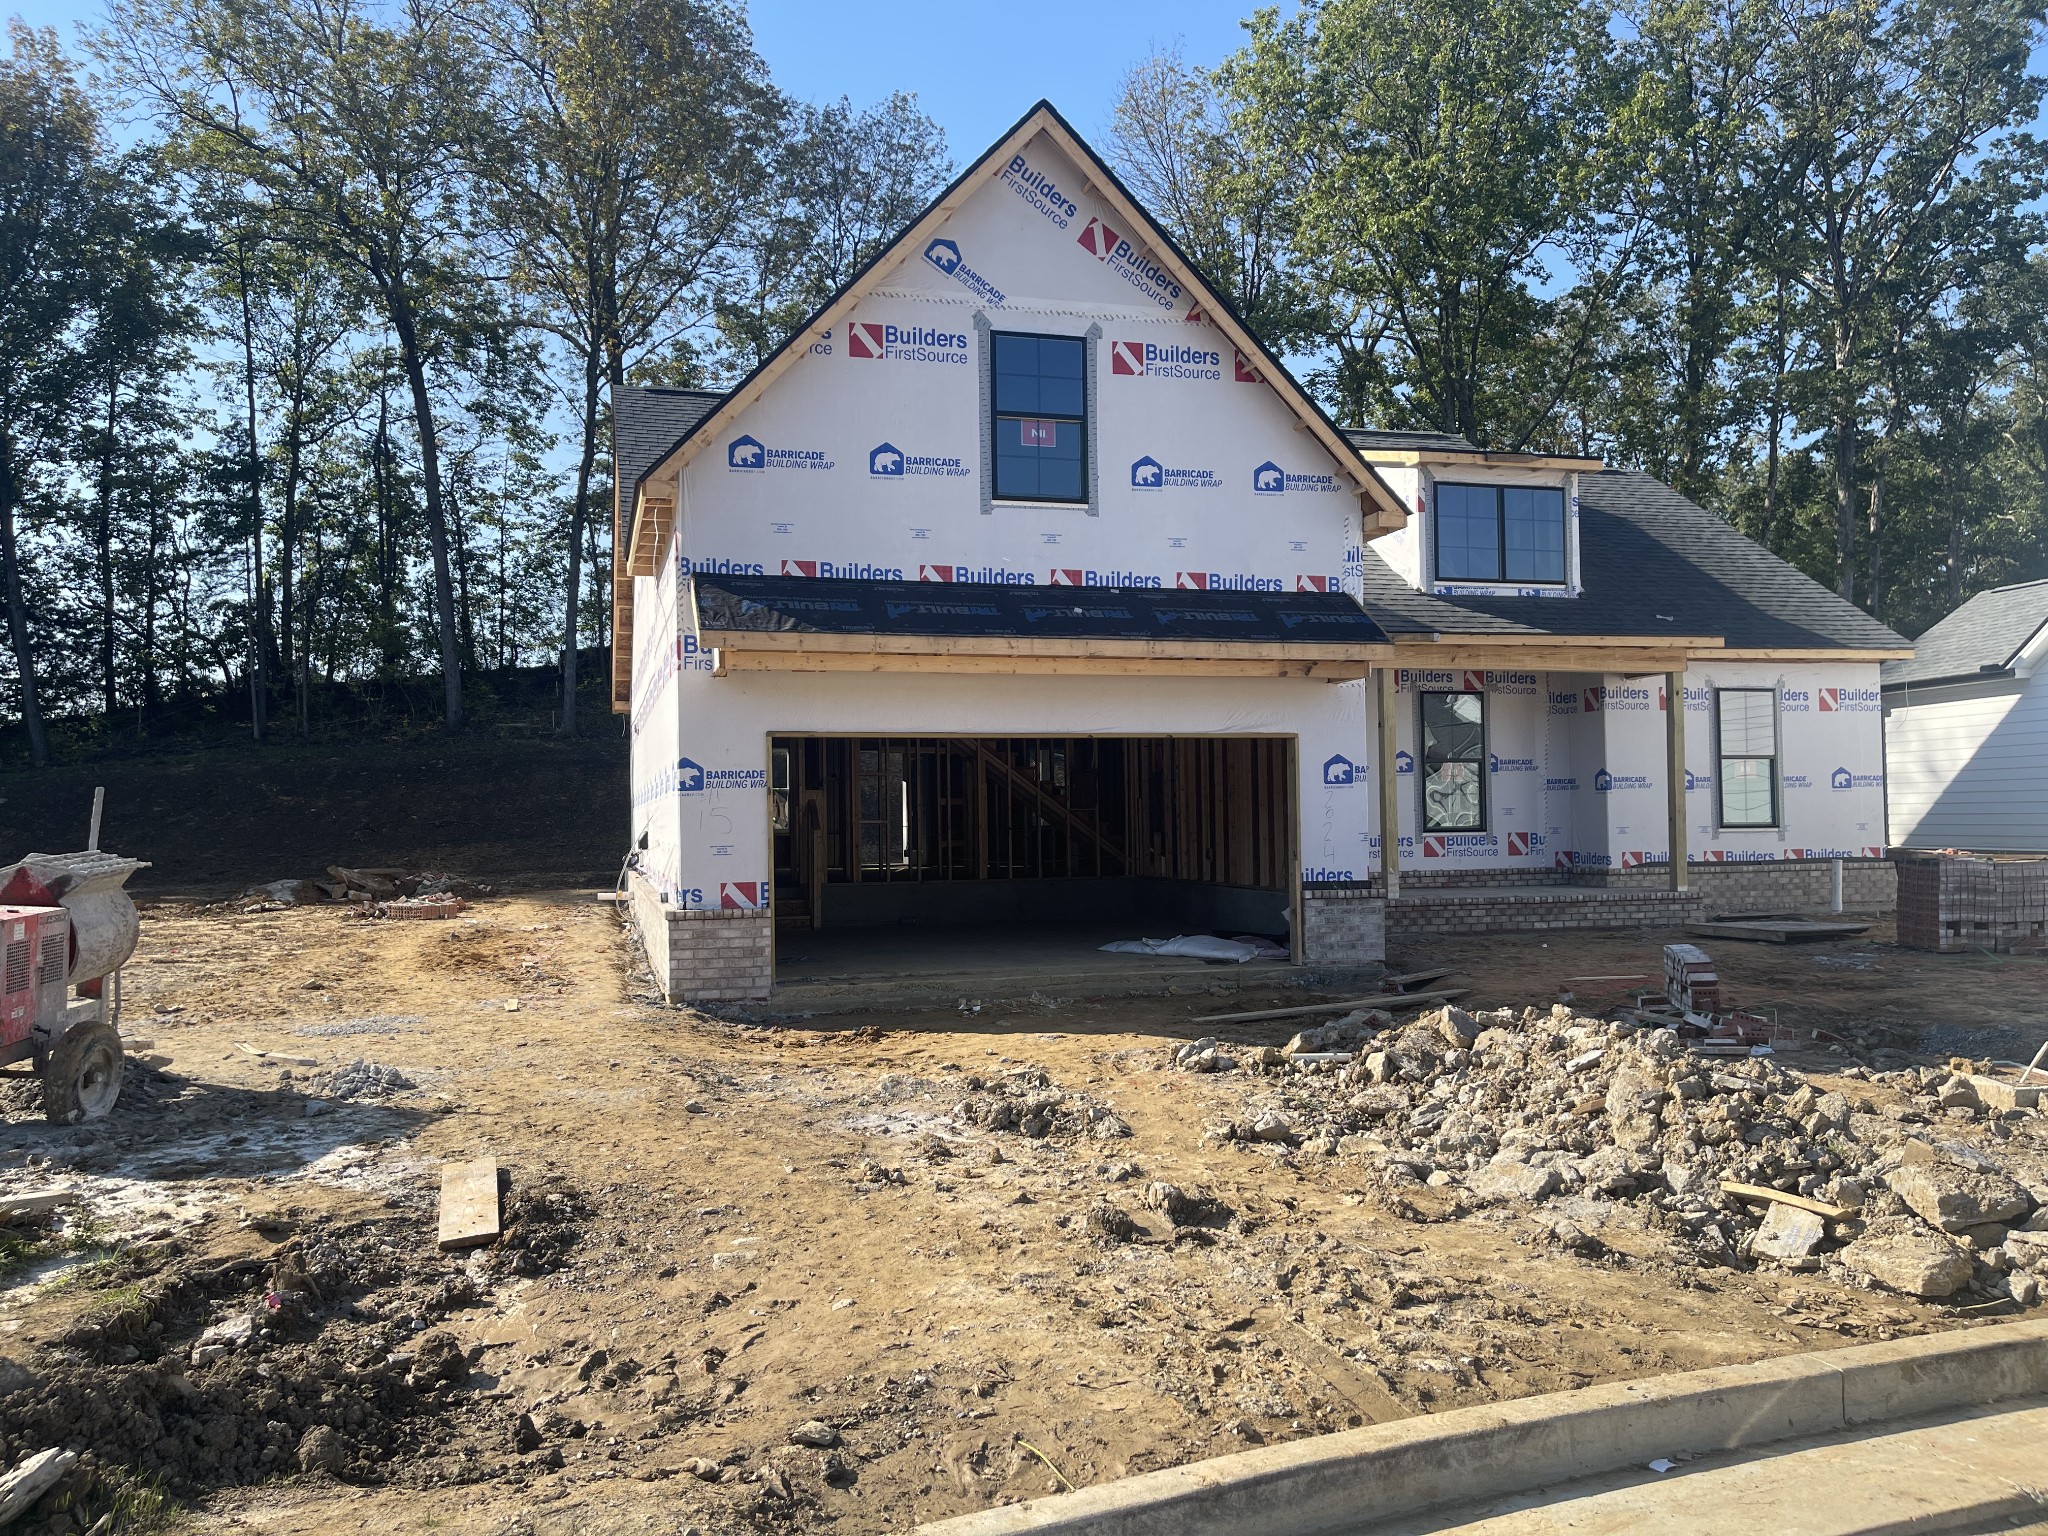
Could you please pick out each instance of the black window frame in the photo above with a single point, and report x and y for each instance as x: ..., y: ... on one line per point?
x: 996, y: 416
x: 1722, y: 758
x: 1480, y: 775
x: 1500, y: 533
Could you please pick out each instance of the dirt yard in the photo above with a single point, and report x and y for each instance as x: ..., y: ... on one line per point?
x: 727, y: 1237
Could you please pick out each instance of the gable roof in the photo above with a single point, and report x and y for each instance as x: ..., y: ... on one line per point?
x: 646, y: 423
x: 1652, y: 563
x: 1987, y: 633
x: 1386, y: 511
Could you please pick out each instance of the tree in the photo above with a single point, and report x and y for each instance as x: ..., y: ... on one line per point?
x: 361, y: 135
x: 846, y: 183
x: 49, y: 210
x: 1907, y: 119
x: 1446, y: 151
x: 640, y: 129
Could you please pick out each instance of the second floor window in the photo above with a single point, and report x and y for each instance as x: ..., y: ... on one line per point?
x: 1500, y: 533
x: 1040, y: 402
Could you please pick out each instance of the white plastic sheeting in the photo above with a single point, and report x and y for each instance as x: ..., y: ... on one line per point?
x: 1200, y: 946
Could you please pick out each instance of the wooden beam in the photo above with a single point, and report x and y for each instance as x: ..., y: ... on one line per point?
x: 1674, y: 770
x: 1564, y: 642
x: 1627, y: 663
x: 730, y: 661
x: 764, y: 641
x: 1389, y: 787
x: 1408, y: 457
x: 1748, y: 654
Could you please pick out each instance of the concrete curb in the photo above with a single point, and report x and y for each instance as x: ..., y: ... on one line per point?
x: 1333, y: 1482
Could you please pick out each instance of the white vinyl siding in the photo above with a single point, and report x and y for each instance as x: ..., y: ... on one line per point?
x: 1965, y: 766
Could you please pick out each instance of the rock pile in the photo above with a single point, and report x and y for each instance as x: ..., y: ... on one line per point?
x: 1029, y: 1102
x: 359, y: 1080
x: 1586, y: 1116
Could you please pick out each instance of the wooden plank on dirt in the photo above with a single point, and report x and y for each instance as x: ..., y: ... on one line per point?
x: 13, y: 1207
x: 1780, y: 1197
x: 1396, y: 999
x: 276, y: 1056
x: 1416, y: 978
x: 469, y: 1204
x: 1777, y: 930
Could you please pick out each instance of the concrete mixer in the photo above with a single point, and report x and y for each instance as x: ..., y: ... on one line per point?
x: 66, y: 929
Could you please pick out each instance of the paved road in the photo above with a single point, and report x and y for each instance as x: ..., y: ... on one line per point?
x: 1975, y: 1471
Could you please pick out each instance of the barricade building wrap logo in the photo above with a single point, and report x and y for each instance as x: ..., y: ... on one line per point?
x: 1498, y: 764
x: 873, y: 339
x: 1560, y: 786
x: 1151, y: 360
x: 1850, y: 701
x: 1695, y: 781
x: 1605, y: 782
x: 691, y: 779
x: 888, y: 462
x: 1796, y: 781
x: 1066, y: 576
x: 1340, y: 772
x: 1842, y: 778
x: 749, y: 455
x: 1404, y: 762
x: 945, y: 255
x: 1130, y: 264
x: 1269, y: 479
x: 1040, y: 191
x: 1148, y: 474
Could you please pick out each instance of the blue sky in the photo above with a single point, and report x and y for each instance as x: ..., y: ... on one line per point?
x: 974, y: 67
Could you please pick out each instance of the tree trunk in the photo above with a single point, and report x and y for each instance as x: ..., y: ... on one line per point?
x: 572, y: 586
x: 259, y: 615
x: 1843, y: 430
x: 17, y: 611
x: 103, y: 552
x: 1953, y: 502
x: 437, y: 522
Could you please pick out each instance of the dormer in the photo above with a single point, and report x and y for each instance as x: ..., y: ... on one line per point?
x: 1482, y: 524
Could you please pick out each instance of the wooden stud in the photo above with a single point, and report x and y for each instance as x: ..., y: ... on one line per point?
x: 1389, y: 785
x: 1674, y: 768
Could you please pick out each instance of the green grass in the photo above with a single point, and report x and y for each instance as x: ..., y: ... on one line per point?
x: 139, y: 1505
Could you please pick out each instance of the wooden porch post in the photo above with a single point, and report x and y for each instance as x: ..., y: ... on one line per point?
x: 1389, y: 787
x: 1674, y: 769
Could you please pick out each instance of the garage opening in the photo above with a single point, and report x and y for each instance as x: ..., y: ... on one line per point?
x: 885, y: 838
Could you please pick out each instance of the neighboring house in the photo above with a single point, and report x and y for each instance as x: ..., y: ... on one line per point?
x: 1966, y: 728
x: 1022, y: 584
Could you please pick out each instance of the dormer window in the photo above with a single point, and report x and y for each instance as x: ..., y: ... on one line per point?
x: 1500, y: 533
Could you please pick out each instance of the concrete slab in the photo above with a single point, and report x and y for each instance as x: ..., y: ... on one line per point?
x: 1977, y: 1470
x: 929, y: 966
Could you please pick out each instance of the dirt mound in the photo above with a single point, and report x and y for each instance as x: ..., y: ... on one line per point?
x: 203, y: 1374
x: 1029, y: 1102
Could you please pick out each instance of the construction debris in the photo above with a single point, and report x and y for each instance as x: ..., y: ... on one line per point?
x: 1622, y: 1125
x: 1308, y: 1010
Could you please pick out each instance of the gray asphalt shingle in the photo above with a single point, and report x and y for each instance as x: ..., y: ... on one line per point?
x: 1987, y: 631
x: 646, y: 423
x: 1652, y: 563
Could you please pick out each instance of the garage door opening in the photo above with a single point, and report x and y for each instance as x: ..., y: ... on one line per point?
x: 887, y: 848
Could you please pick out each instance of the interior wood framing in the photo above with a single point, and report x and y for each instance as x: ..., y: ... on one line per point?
x: 855, y: 810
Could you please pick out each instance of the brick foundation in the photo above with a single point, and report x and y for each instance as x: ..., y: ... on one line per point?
x: 1422, y: 914
x: 1342, y: 925
x: 703, y: 957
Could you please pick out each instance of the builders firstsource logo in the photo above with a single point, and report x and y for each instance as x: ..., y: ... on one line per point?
x: 1269, y: 479
x: 1460, y: 845
x: 1130, y: 264
x: 994, y: 575
x: 945, y: 255
x: 1148, y: 474
x: 842, y: 570
x: 1041, y: 191
x: 888, y: 462
x: 1153, y: 360
x: 875, y: 341
x: 750, y: 456
x: 1224, y: 581
x: 1068, y: 576
x: 1850, y: 701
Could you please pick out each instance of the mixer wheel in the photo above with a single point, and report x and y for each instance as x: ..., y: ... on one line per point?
x: 84, y: 1076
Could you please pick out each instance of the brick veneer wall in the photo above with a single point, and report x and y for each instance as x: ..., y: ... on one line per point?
x: 1342, y: 925
x: 1425, y: 914
x: 703, y: 957
x: 1793, y: 885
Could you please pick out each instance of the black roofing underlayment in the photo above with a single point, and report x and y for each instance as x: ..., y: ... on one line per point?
x: 824, y: 606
